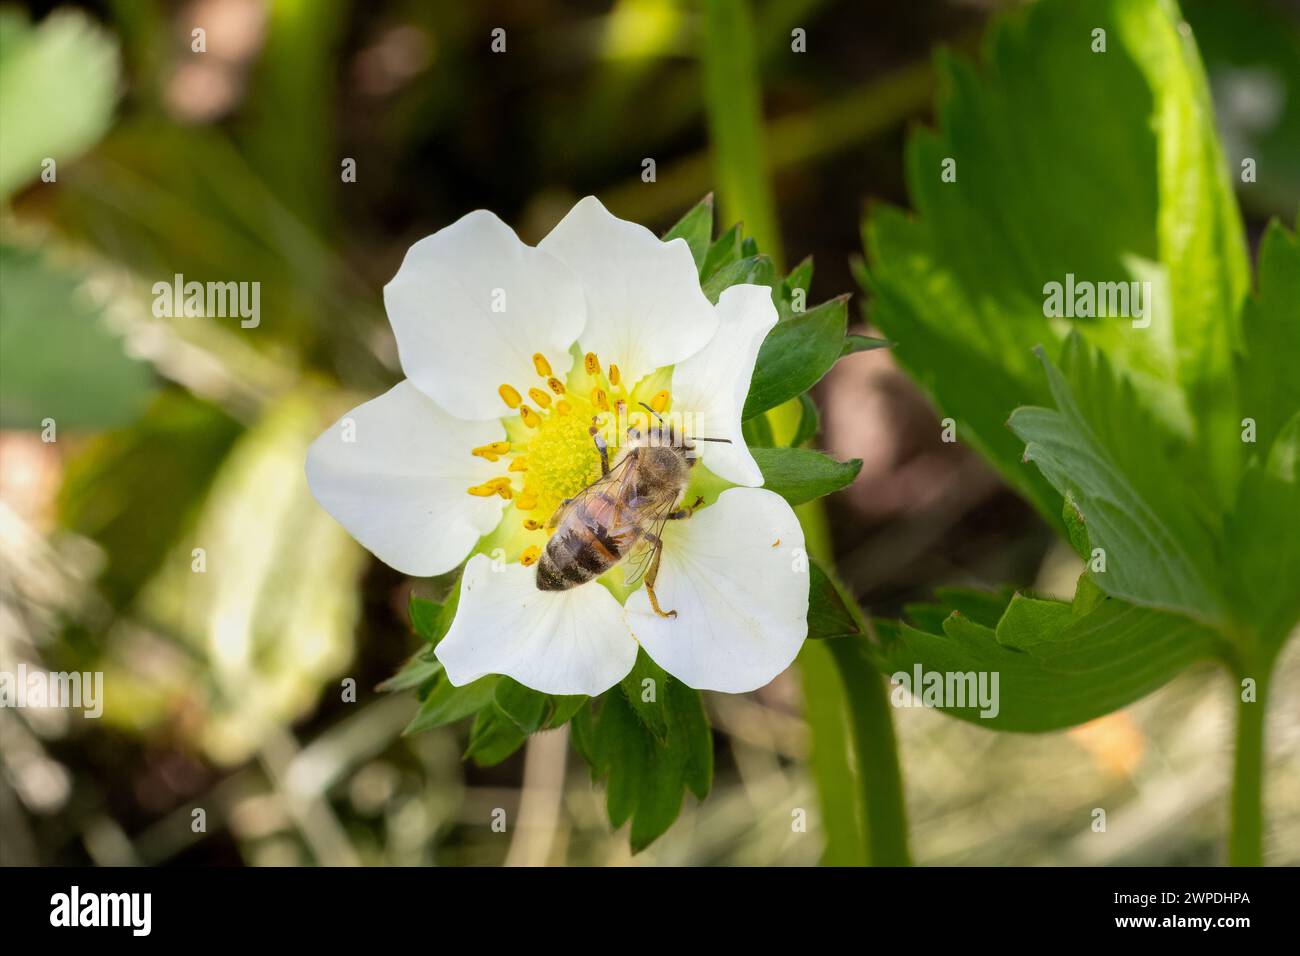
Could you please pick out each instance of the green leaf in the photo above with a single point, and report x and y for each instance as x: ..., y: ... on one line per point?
x: 862, y: 343
x: 1055, y: 668
x: 1263, y: 536
x: 1075, y: 527
x: 494, y: 737
x: 757, y: 433
x: 525, y: 707
x: 696, y: 228
x: 644, y: 687
x: 795, y: 355
x: 802, y: 474
x: 754, y: 269
x: 649, y: 751
x: 430, y: 622
x: 564, y: 709
x: 448, y: 703
x: 722, y: 252
x: 810, y: 422
x: 58, y: 84
x: 1117, y: 467
x: 1029, y: 621
x: 1044, y: 137
x: 1269, y: 369
x: 828, y: 614
x: 417, y: 672
x: 424, y: 616
x: 800, y: 277
x: 58, y: 359
x: 982, y: 607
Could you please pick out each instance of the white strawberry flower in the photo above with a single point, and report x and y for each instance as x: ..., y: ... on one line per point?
x: 510, y: 351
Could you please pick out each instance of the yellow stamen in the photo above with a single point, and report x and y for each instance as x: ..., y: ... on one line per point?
x: 509, y: 396
x: 556, y: 385
x: 500, y: 486
x: 526, y: 501
x: 600, y: 399
x: 493, y: 451
x: 486, y: 490
x: 532, y: 524
x: 530, y: 555
x: 563, y: 407
x: 592, y: 363
x: 530, y: 417
x: 519, y: 464
x: 543, y: 367
x: 613, y: 374
x: 660, y: 400
x: 540, y: 397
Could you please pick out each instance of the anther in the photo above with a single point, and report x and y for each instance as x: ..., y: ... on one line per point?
x: 492, y: 451
x: 530, y: 555
x: 592, y: 363
x: 562, y: 407
x: 532, y: 524
x: 613, y: 374
x: 519, y: 464
x: 526, y: 501
x: 543, y: 367
x: 509, y: 396
x: 486, y: 490
x: 555, y: 385
x: 600, y: 399
x: 660, y: 401
x: 530, y: 417
x: 540, y: 397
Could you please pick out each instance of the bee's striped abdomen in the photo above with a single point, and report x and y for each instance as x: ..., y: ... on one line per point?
x: 582, y: 548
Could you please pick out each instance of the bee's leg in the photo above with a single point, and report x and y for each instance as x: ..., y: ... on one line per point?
x: 652, y: 575
x: 682, y: 513
x: 600, y: 447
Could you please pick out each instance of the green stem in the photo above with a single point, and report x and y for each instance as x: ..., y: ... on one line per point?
x: 1246, y: 836
x: 875, y: 751
x: 733, y: 102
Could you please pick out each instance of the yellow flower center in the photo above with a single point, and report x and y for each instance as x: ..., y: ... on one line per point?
x: 562, y: 458
x: 552, y: 454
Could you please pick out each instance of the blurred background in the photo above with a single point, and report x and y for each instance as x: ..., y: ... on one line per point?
x: 225, y: 690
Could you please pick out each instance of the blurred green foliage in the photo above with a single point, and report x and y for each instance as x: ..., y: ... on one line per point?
x: 178, y: 434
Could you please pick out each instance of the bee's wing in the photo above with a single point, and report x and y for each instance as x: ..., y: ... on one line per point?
x: 639, y: 561
x: 610, y: 484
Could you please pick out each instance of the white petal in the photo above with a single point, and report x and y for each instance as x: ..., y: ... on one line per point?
x: 399, y: 487
x: 556, y: 642
x: 644, y: 304
x: 737, y: 577
x: 471, y: 305
x: 712, y: 384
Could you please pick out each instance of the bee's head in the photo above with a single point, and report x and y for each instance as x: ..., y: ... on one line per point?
x: 659, y: 432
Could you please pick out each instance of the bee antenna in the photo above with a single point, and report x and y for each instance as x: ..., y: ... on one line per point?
x: 725, y: 441
x: 651, y: 411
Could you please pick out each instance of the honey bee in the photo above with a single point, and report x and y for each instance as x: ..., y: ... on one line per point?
x: 623, y: 511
